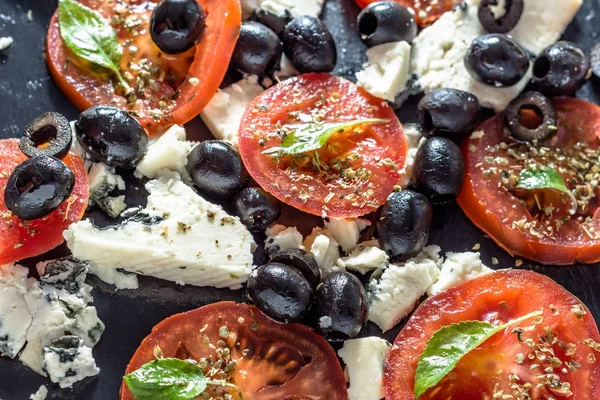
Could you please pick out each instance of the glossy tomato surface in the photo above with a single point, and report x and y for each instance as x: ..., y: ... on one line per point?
x: 542, y: 232
x: 352, y: 174
x: 549, y: 357
x: 24, y: 239
x: 274, y: 361
x: 170, y: 89
x: 426, y: 11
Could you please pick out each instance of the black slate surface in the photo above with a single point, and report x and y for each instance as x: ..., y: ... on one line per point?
x: 26, y: 90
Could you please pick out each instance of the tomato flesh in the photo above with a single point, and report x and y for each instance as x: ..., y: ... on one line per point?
x: 352, y: 174
x: 274, y: 361
x: 426, y: 11
x: 508, y: 362
x: 24, y: 239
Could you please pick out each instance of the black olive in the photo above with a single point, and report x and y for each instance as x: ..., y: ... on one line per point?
x: 513, y: 9
x: 496, y: 60
x: 384, y: 22
x: 217, y: 169
x: 450, y: 113
x: 541, y: 126
x: 256, y: 208
x: 50, y: 134
x: 303, y: 261
x: 275, y: 22
x: 38, y: 186
x: 258, y: 49
x: 439, y: 169
x: 176, y: 25
x: 341, y: 308
x: 561, y: 69
x: 309, y: 45
x: 280, y: 292
x: 111, y: 136
x: 595, y: 60
x: 403, y: 228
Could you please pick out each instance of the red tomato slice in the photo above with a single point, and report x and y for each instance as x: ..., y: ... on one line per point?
x: 171, y: 89
x: 504, y: 363
x: 275, y: 361
x: 426, y: 11
x: 24, y: 239
x: 352, y: 174
x: 512, y: 224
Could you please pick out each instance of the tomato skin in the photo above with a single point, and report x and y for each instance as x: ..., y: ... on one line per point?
x: 308, y: 367
x: 24, y: 239
x: 502, y: 295
x: 207, y: 63
x: 324, y: 191
x: 432, y: 9
x: 487, y: 206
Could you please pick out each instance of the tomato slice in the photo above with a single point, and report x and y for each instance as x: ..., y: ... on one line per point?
x: 352, y: 174
x: 426, y: 11
x: 507, y: 362
x: 546, y: 235
x: 170, y: 89
x: 24, y: 239
x: 274, y: 361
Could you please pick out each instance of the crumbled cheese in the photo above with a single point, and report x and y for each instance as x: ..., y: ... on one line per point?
x: 365, y: 258
x: 296, y: 8
x: 170, y: 151
x: 103, y: 181
x: 41, y: 394
x: 346, y: 231
x: 365, y: 363
x: 414, y: 140
x: 325, y: 249
x: 6, y: 42
x: 280, y: 238
x: 458, y: 268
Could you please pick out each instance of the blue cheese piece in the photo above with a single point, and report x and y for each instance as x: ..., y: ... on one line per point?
x: 178, y: 237
x: 364, y: 259
x: 365, y: 363
x: 64, y: 280
x: 15, y: 317
x: 41, y: 394
x: 458, y: 268
x: 103, y: 182
x: 280, y: 238
x: 67, y: 361
x: 414, y: 140
x: 346, y: 232
x: 170, y: 151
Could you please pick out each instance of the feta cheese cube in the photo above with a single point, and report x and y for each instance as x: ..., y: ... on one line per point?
x: 325, y: 249
x: 364, y: 259
x: 346, y: 231
x: 458, y: 268
x: 170, y: 151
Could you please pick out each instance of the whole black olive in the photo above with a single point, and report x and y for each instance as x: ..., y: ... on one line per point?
x: 256, y: 208
x: 386, y: 21
x: 403, y: 228
x: 176, y: 25
x: 341, y: 308
x: 258, y: 49
x: 50, y: 134
x: 111, y: 136
x: 439, y: 169
x: 275, y: 22
x: 538, y: 124
x: 513, y: 9
x: 309, y: 45
x: 496, y: 60
x: 450, y: 113
x: 217, y: 169
x: 561, y: 69
x: 303, y: 261
x: 38, y: 186
x: 280, y: 292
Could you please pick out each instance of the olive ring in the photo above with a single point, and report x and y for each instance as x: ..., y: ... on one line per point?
x: 542, y: 106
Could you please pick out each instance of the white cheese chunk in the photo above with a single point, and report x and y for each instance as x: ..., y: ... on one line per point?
x: 69, y: 365
x: 414, y: 140
x: 224, y: 112
x: 325, y: 249
x: 365, y: 363
x: 103, y: 181
x: 280, y: 238
x: 6, y: 42
x: 41, y: 394
x: 365, y: 258
x: 179, y: 237
x: 286, y: 69
x: 458, y: 268
x: 295, y: 7
x: 170, y: 151
x: 388, y: 70
x: 346, y: 231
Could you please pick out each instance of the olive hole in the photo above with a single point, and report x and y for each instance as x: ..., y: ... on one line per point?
x: 427, y: 121
x: 368, y: 24
x: 44, y: 136
x: 531, y: 117
x: 541, y: 68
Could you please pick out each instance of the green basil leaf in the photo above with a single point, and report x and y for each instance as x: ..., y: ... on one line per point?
x: 313, y: 136
x: 451, y: 343
x: 541, y: 178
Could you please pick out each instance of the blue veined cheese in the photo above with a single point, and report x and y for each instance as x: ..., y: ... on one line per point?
x: 387, y: 72
x: 41, y: 394
x: 280, y: 238
x: 170, y: 151
x: 102, y: 182
x: 458, y: 268
x: 365, y: 258
x: 346, y: 232
x: 365, y: 363
x: 179, y: 236
x: 64, y: 280
x: 15, y: 318
x: 67, y: 361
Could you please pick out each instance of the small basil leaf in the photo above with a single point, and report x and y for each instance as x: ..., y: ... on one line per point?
x: 541, y: 178
x: 449, y: 345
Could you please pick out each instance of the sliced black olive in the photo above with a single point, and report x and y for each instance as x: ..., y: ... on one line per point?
x: 386, y: 21
x: 38, y: 186
x: 511, y: 14
x: 450, y: 113
x: 595, y: 60
x: 341, y: 308
x: 281, y: 292
x: 403, y: 228
x: 537, y: 124
x: 561, y: 69
x: 496, y: 60
x: 50, y: 134
x: 303, y: 261
x: 111, y: 136
x: 439, y: 169
x: 256, y: 208
x: 274, y: 21
x: 176, y: 25
x: 309, y: 45
x: 217, y: 169
x: 258, y: 49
